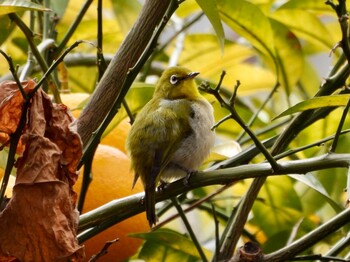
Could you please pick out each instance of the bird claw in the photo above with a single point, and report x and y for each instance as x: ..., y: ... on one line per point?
x: 162, y: 185
x: 142, y: 201
x: 188, y: 176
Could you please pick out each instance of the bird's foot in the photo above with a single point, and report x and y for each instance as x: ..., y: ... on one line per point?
x: 188, y: 176
x: 162, y: 185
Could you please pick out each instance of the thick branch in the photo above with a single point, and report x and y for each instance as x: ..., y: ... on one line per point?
x: 121, y: 209
x: 309, y: 239
x: 126, y: 57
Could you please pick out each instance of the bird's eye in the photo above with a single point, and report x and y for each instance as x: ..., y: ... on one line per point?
x: 173, y: 80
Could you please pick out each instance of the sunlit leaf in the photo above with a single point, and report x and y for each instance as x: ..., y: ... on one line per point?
x: 211, y: 11
x: 305, y: 25
x: 6, y: 28
x: 126, y: 12
x: 187, y: 8
x: 13, y: 6
x: 59, y: 7
x: 289, y: 55
x: 312, y: 182
x: 279, y: 207
x: 309, y: 79
x: 311, y: 5
x: 167, y: 242
x: 205, y: 57
x: 249, y: 22
x: 316, y: 102
x: 227, y: 149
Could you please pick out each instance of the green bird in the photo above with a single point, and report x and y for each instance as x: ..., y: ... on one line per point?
x: 172, y: 134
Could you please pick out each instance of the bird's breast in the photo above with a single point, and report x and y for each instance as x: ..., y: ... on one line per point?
x: 196, y: 146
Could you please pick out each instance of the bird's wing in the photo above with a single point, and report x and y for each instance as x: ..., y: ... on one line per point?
x: 153, y: 140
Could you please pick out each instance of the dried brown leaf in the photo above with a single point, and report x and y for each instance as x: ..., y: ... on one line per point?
x: 40, y: 221
x: 11, y: 103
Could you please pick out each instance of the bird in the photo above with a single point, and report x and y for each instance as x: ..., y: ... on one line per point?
x: 171, y: 136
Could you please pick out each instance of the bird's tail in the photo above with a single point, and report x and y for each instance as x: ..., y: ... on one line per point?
x: 150, y: 205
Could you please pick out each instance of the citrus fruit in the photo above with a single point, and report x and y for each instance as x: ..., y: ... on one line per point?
x: 112, y: 179
x: 115, y: 137
x: 74, y: 101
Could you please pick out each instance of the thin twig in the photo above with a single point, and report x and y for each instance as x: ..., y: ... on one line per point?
x: 338, y: 247
x: 217, y: 233
x: 14, y: 74
x: 317, y: 257
x: 101, y: 63
x: 339, y: 129
x: 29, y: 36
x: 234, y: 115
x: 128, y: 111
x: 254, y: 117
x: 193, y: 206
x: 53, y: 66
x: 195, y: 241
x: 184, y: 28
x: 14, y: 139
x: 308, y: 240
x: 103, y: 251
x: 343, y: 19
x: 72, y: 28
x: 308, y: 146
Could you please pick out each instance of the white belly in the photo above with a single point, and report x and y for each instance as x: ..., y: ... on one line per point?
x: 196, y: 147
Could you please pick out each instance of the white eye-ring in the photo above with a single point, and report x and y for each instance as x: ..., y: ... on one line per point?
x: 173, y: 80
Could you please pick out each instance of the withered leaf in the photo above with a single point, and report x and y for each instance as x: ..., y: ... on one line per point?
x: 40, y: 221
x: 11, y: 102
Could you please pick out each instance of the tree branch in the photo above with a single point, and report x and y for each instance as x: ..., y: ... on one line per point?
x: 118, y: 210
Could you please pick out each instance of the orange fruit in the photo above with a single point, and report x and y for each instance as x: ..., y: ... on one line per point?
x: 73, y: 101
x: 112, y: 179
x: 117, y: 136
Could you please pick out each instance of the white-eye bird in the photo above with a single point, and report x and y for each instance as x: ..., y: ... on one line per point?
x: 172, y: 134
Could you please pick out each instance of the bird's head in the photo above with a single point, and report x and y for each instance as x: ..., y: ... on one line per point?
x: 176, y: 83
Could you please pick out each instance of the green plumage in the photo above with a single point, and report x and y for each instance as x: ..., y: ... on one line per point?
x: 175, y: 118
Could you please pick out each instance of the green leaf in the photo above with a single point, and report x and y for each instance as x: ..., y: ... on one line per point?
x: 309, y: 80
x: 311, y: 5
x: 305, y: 25
x: 211, y: 11
x: 126, y: 12
x: 316, y: 102
x: 6, y: 28
x: 248, y: 21
x: 13, y: 6
x: 59, y: 7
x: 312, y: 182
x: 165, y: 242
x: 203, y: 56
x: 280, y: 206
x: 289, y: 55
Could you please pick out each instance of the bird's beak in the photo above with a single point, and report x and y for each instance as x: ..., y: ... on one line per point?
x: 192, y: 75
